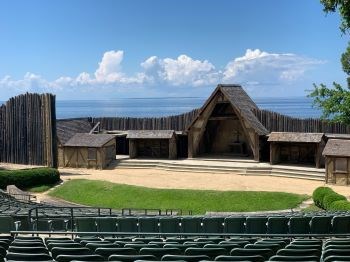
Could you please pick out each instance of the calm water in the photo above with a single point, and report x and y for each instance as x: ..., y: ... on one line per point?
x: 148, y: 107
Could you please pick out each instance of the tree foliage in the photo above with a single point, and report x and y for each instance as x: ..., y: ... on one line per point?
x: 344, y: 10
x: 335, y: 102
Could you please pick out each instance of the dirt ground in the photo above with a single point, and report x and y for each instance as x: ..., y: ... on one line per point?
x: 158, y: 178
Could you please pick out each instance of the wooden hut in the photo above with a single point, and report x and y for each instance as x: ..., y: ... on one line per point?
x: 296, y: 148
x: 152, y: 143
x: 89, y: 150
x: 66, y: 129
x: 337, y: 154
x: 227, y: 124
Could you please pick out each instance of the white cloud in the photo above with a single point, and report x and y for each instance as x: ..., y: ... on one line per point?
x: 109, y: 69
x: 254, y: 69
x: 181, y: 71
x: 262, y: 67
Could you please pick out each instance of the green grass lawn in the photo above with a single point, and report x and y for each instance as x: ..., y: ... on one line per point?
x: 106, y: 194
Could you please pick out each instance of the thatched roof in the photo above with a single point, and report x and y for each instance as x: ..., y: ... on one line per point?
x: 243, y: 104
x: 89, y: 140
x: 295, y: 137
x: 337, y: 147
x: 150, y: 134
x: 67, y: 128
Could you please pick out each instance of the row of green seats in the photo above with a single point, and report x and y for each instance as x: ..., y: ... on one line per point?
x: 239, y: 225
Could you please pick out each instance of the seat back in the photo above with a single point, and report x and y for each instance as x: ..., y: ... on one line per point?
x: 191, y: 225
x: 148, y: 224
x: 251, y: 258
x: 299, y: 225
x: 213, y: 224
x: 7, y: 224
x: 320, y: 225
x: 106, y: 224
x: 159, y: 252
x: 169, y: 225
x: 211, y: 252
x: 85, y: 224
x: 194, y: 258
x: 127, y: 224
x: 256, y: 225
x: 341, y: 224
x: 130, y: 258
x: 234, y: 225
x: 277, y: 225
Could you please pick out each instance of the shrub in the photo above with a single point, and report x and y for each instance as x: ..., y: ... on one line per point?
x: 319, y: 194
x: 343, y: 205
x: 25, y: 178
x: 330, y: 198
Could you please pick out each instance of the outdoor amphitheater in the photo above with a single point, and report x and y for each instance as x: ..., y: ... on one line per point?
x: 224, y: 182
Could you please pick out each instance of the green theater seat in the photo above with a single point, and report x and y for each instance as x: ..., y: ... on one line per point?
x: 256, y: 225
x: 299, y: 225
x: 148, y: 224
x: 320, y: 225
x: 85, y: 224
x: 106, y: 224
x: 213, y: 224
x: 234, y: 225
x: 169, y: 225
x: 277, y: 225
x: 127, y: 224
x: 191, y: 225
x: 131, y: 258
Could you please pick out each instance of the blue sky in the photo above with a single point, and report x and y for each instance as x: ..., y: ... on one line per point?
x: 100, y: 49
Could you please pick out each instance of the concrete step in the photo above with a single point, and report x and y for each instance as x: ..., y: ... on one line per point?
x: 177, y: 167
x: 312, y: 174
x: 298, y: 176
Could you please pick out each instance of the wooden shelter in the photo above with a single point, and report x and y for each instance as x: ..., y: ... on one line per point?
x: 227, y: 124
x: 337, y: 154
x: 66, y: 129
x: 89, y: 150
x: 296, y: 148
x: 152, y: 143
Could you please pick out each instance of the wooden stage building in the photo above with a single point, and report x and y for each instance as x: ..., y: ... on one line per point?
x: 229, y: 125
x: 337, y: 154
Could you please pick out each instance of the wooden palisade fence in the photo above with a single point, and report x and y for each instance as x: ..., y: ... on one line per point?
x: 28, y: 130
x: 177, y: 122
x: 274, y: 122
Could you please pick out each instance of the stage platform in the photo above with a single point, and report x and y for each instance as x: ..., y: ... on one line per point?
x: 214, y: 164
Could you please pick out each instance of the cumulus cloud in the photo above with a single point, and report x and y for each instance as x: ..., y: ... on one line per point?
x: 257, y: 66
x: 183, y: 70
x: 252, y: 69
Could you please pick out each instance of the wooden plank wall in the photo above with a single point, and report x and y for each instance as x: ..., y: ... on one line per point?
x: 28, y: 130
x: 275, y: 122
x: 178, y: 122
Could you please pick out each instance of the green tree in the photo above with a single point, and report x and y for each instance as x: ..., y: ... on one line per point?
x: 335, y: 102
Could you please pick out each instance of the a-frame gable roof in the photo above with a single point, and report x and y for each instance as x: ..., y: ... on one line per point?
x: 240, y: 100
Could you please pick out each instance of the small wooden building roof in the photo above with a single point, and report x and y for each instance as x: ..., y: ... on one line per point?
x: 337, y: 147
x: 89, y: 140
x: 67, y: 128
x: 295, y: 137
x: 337, y: 136
x: 243, y: 104
x: 150, y: 134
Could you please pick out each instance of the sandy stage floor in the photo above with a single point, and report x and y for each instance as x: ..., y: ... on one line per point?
x: 189, y: 180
